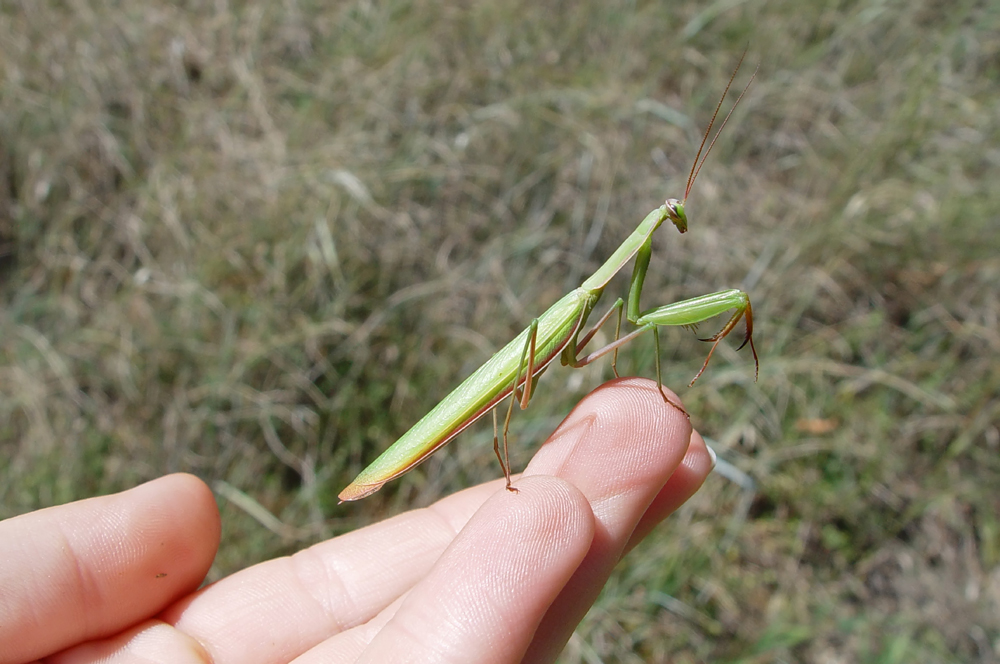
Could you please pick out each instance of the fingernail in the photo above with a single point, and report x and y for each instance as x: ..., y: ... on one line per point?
x: 712, y: 454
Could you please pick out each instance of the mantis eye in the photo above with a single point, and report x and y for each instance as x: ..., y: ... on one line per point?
x: 675, y: 211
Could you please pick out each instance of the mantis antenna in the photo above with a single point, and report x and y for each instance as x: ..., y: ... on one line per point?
x: 696, y: 166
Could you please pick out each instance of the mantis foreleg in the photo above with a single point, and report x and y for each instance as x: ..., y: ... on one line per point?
x: 684, y: 313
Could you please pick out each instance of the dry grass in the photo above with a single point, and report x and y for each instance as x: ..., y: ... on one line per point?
x: 254, y: 242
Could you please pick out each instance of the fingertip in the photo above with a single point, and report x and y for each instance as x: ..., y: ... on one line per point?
x: 548, y: 505
x: 186, y: 498
x: 686, y: 480
x: 546, y: 516
x: 88, y: 569
x: 623, y: 437
x: 188, y: 483
x: 699, y: 459
x: 177, y: 528
x: 711, y: 453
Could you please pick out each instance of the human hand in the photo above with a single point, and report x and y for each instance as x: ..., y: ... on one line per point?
x: 483, y: 575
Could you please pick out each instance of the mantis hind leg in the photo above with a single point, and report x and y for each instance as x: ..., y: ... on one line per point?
x: 618, y: 334
x: 496, y: 448
x: 527, y: 361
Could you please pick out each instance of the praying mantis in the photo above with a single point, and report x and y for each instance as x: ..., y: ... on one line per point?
x: 514, y: 370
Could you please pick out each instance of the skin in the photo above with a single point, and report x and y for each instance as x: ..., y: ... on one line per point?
x: 483, y: 575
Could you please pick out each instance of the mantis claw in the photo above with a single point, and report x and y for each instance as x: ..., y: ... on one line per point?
x: 673, y: 403
x: 746, y: 311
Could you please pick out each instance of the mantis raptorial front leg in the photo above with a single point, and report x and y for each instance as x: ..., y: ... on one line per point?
x: 687, y: 313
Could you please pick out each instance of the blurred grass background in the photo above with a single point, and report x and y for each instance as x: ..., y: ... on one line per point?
x: 256, y: 241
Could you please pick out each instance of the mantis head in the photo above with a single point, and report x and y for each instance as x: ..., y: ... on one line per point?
x: 675, y: 213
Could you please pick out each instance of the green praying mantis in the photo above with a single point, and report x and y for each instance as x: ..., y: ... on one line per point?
x: 514, y: 370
